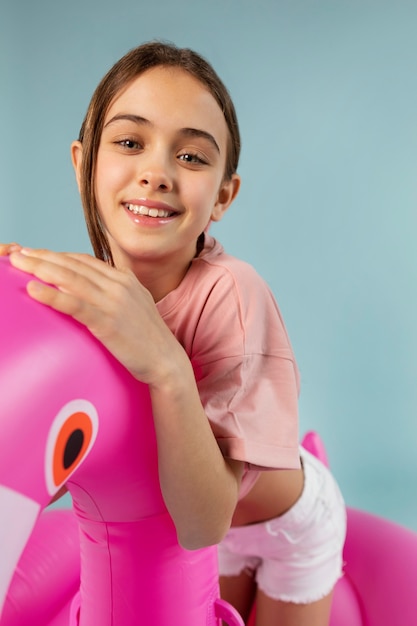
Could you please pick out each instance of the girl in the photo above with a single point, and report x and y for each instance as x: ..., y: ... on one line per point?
x: 156, y: 162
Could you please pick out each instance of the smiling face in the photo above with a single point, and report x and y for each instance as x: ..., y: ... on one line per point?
x: 160, y: 172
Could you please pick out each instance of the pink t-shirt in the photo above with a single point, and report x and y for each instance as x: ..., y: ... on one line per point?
x: 226, y: 318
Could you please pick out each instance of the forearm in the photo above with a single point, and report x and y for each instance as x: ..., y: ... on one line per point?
x: 199, y: 486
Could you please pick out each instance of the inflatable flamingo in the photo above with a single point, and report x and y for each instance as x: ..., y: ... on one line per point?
x: 72, y: 415
x: 380, y: 574
x: 379, y: 586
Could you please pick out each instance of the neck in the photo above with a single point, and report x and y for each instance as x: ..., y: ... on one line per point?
x: 162, y: 281
x: 159, y: 274
x: 158, y: 277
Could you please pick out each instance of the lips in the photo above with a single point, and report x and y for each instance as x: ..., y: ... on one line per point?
x: 152, y: 211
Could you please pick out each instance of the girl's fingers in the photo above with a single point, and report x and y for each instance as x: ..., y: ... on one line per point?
x: 71, y: 274
x: 68, y: 286
x: 80, y: 286
x: 58, y: 300
x: 68, y: 260
x: 56, y: 272
x: 8, y: 248
x: 111, y: 303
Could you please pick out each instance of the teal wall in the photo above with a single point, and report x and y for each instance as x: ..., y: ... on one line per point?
x: 326, y: 93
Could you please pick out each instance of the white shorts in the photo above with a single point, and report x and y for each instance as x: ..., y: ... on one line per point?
x: 298, y: 556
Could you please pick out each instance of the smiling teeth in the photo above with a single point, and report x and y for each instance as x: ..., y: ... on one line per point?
x: 143, y: 210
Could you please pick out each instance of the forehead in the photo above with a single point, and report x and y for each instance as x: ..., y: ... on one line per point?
x: 170, y: 96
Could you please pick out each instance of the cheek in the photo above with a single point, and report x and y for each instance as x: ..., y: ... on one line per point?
x: 110, y: 171
x: 108, y: 179
x: 203, y: 195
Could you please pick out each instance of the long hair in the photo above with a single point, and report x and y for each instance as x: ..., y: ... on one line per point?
x: 123, y: 72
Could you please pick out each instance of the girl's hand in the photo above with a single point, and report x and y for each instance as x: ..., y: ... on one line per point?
x: 111, y: 303
x: 8, y: 248
x: 199, y: 486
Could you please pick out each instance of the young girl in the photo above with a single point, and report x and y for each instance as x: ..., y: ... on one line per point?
x: 156, y: 163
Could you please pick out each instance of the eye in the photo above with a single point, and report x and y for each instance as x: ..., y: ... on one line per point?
x: 129, y: 144
x: 70, y: 439
x: 193, y: 158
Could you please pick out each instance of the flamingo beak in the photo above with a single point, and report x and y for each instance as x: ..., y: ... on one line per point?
x: 18, y: 515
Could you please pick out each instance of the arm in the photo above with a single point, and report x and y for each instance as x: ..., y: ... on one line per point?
x: 199, y: 485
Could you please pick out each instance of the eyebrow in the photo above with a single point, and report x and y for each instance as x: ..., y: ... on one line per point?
x: 186, y: 132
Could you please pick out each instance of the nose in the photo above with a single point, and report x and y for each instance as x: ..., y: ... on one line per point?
x: 156, y: 173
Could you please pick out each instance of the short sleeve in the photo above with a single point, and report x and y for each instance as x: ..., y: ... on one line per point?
x: 246, y: 372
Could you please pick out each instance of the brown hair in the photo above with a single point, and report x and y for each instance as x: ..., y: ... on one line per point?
x: 131, y: 65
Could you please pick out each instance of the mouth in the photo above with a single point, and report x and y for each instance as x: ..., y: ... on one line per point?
x: 140, y: 209
x: 18, y: 515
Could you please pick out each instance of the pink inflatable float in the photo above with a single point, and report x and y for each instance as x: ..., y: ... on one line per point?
x: 380, y: 574
x: 72, y: 415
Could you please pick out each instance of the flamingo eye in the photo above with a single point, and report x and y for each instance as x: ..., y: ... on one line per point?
x: 69, y: 441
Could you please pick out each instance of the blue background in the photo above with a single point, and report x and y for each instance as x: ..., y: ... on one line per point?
x: 326, y: 94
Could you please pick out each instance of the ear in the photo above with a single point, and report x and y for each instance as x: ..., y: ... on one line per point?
x: 227, y: 193
x: 76, y: 158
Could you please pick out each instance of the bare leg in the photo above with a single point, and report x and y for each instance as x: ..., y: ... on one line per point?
x: 271, y: 612
x: 240, y: 592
